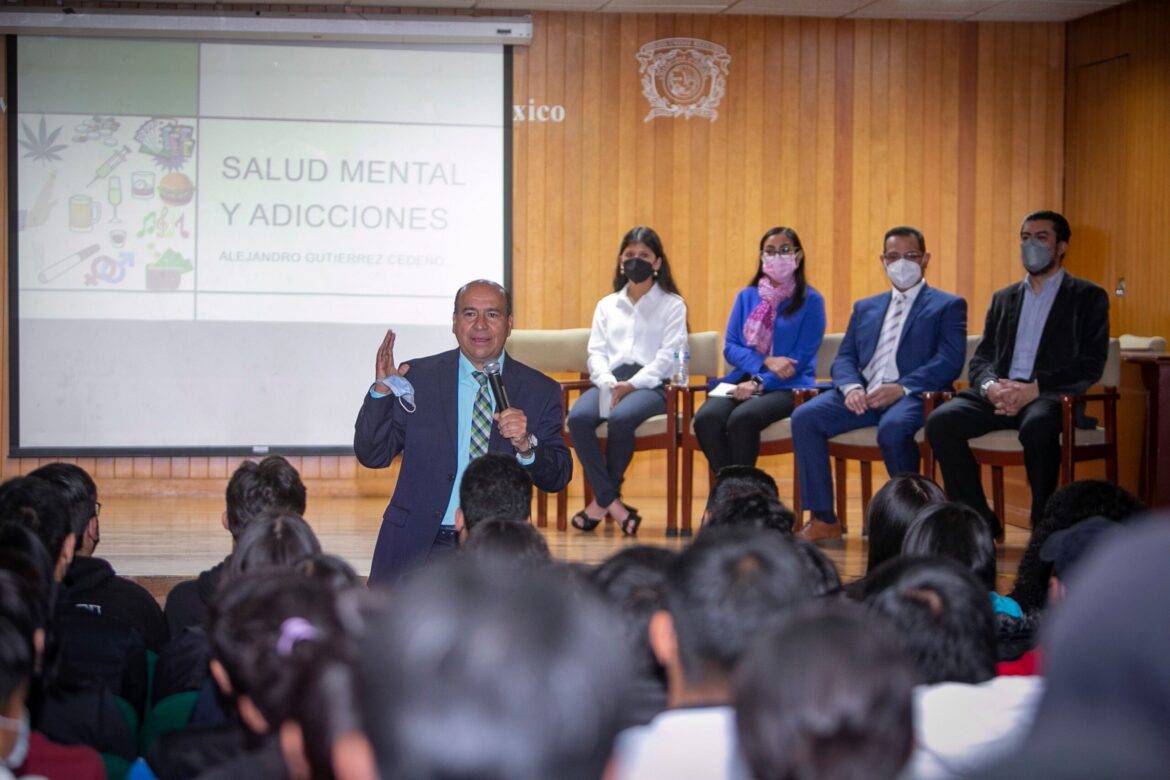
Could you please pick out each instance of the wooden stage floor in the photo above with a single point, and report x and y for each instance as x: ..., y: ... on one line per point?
x: 159, y: 541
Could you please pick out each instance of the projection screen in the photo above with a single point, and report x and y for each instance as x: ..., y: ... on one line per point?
x: 211, y: 238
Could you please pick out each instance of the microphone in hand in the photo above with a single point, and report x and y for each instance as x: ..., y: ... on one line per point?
x: 496, y: 380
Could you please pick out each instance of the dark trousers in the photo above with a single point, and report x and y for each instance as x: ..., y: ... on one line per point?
x: 606, y: 470
x: 968, y: 416
x: 446, y: 543
x: 729, y: 430
x: 815, y: 422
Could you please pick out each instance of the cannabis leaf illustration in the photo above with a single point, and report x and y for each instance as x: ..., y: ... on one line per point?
x: 41, y: 145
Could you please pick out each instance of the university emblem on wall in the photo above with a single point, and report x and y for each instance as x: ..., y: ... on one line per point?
x: 683, y: 77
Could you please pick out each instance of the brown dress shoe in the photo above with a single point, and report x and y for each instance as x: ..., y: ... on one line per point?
x: 820, y: 532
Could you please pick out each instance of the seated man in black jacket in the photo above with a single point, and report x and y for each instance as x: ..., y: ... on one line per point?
x: 90, y: 584
x: 271, y: 486
x: 1044, y: 336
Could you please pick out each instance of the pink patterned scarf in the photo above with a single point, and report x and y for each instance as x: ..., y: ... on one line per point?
x: 757, y: 330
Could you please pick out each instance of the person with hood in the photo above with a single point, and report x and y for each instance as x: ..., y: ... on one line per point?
x: 90, y: 583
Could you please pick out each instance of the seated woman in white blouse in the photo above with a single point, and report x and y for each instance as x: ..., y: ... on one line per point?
x: 636, y: 331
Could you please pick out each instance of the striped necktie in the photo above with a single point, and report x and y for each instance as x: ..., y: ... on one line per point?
x: 481, y: 417
x: 887, y: 344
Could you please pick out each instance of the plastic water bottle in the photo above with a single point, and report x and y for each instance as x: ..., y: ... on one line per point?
x: 682, y: 367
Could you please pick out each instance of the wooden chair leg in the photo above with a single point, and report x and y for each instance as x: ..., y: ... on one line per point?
x: 842, y: 495
x: 563, y: 509
x: 672, y: 493
x: 688, y: 487
x: 997, y: 494
x: 866, y: 491
x: 1111, y: 466
x: 541, y: 509
x: 796, y: 507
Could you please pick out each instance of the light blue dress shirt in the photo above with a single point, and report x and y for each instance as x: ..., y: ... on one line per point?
x: 468, y: 390
x: 1033, y: 315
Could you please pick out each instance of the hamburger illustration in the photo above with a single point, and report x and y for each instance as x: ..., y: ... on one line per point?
x: 176, y: 189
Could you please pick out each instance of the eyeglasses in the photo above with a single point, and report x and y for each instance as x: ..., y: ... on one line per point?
x: 893, y: 257
x: 771, y: 251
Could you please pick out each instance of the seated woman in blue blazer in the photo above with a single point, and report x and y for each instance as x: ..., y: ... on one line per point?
x: 772, y: 338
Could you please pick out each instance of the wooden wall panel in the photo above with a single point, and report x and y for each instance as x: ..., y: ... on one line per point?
x: 1118, y: 165
x: 839, y: 128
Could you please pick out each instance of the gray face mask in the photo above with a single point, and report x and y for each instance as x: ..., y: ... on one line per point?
x: 1037, y: 258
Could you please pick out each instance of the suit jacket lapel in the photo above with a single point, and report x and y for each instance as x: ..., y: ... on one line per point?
x: 1055, y: 314
x: 920, y: 302
x: 1011, y: 324
x: 448, y: 394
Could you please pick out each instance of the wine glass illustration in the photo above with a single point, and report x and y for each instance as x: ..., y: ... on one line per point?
x: 114, y: 196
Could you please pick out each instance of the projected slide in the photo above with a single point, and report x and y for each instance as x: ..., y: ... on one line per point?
x: 185, y: 182
x: 259, y: 199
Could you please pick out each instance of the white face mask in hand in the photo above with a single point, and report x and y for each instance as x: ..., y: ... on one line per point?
x: 904, y: 273
x: 19, y: 753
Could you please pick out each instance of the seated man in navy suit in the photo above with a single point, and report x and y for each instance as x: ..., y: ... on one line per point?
x: 444, y: 418
x: 898, y: 345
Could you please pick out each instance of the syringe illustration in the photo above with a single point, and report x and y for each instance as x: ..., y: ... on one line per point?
x: 112, y: 162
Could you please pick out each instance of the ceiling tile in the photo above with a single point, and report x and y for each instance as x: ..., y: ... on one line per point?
x: 1041, y: 10
x: 668, y: 6
x: 796, y: 7
x: 922, y: 9
x: 540, y: 5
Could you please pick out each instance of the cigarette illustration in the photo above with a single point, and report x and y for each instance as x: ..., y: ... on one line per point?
x: 66, y: 264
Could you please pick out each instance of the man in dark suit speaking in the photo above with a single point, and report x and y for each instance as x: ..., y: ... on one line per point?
x: 439, y: 412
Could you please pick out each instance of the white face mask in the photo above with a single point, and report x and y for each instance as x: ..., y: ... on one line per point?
x: 904, y: 273
x: 19, y: 753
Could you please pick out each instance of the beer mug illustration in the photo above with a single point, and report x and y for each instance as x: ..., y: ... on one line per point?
x: 84, y: 212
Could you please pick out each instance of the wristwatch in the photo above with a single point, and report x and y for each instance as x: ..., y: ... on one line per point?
x: 532, y: 441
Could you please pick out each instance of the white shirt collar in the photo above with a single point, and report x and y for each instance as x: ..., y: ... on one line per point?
x: 912, y: 293
x: 653, y: 293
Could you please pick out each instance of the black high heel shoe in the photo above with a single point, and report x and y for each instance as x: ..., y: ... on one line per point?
x: 630, y: 525
x: 586, y: 523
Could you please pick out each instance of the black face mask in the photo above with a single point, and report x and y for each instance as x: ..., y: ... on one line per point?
x: 637, y: 270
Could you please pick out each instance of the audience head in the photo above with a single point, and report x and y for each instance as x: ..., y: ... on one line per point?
x: 942, y: 614
x: 757, y: 511
x: 80, y: 492
x: 955, y: 531
x: 40, y: 507
x: 820, y: 572
x: 844, y: 711
x: 507, y: 543
x: 891, y: 512
x: 735, y: 481
x: 272, y: 542
x: 483, y: 688
x: 24, y: 607
x: 783, y: 242
x: 332, y: 571
x: 1107, y: 643
x: 724, y: 589
x: 23, y: 554
x: 264, y: 629
x: 494, y: 486
x: 643, y: 244
x: 270, y: 487
x: 1064, y: 549
x: 323, y: 718
x: 633, y: 581
x: 1068, y: 506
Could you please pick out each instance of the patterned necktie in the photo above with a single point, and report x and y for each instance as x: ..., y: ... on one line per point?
x: 887, y: 343
x: 481, y: 417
